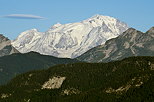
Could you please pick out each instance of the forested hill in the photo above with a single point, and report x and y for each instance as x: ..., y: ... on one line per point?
x: 128, y: 80
x: 18, y: 63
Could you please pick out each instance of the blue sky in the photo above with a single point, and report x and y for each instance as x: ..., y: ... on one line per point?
x: 138, y: 14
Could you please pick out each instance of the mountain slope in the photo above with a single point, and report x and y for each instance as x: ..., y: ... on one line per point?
x: 14, y: 64
x: 70, y: 40
x: 129, y: 80
x: 5, y: 46
x: 130, y: 43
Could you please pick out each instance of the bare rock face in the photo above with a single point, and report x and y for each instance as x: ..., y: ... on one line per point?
x: 54, y: 83
x: 70, y: 40
x: 131, y: 43
x: 5, y: 46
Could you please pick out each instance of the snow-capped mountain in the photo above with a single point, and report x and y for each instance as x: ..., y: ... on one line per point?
x: 131, y: 43
x: 70, y: 40
x: 5, y: 46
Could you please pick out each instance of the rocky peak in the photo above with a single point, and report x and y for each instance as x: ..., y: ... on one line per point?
x: 5, y: 46
x: 151, y: 30
x: 130, y: 30
x: 3, y: 38
x: 130, y: 33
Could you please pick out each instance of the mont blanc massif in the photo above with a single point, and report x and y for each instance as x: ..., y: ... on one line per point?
x: 100, y: 59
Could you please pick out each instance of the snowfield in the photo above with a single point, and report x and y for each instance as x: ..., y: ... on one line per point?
x: 70, y: 40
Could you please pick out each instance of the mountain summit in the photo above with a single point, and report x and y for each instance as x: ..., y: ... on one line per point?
x: 70, y: 40
x: 5, y: 46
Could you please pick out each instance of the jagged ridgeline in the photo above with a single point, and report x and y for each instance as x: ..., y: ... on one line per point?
x: 128, y: 80
x: 131, y: 43
x: 5, y: 46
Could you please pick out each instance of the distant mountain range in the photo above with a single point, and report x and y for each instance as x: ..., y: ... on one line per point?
x: 131, y: 43
x: 5, y: 46
x: 70, y: 40
x: 129, y: 80
x: 15, y: 64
